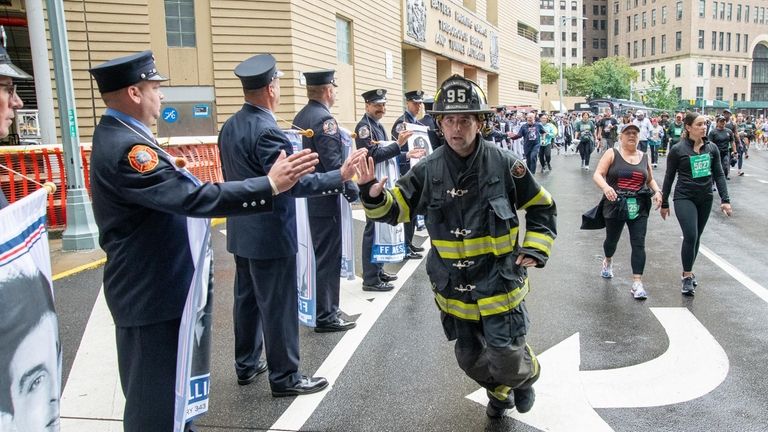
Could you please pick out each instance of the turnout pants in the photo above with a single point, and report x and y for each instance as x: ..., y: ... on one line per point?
x: 493, y: 351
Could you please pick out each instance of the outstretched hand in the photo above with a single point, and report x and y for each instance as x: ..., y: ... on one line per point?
x: 366, y: 174
x: 402, y: 138
x: 348, y: 167
x: 286, y: 171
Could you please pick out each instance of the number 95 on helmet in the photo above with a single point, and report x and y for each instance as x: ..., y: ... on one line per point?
x: 459, y: 95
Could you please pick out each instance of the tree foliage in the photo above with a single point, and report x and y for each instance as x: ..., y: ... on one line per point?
x: 549, y: 73
x: 611, y: 77
x: 661, y: 94
x: 579, y: 80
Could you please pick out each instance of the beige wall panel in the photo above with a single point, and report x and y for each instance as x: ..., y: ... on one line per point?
x: 429, y: 73
x: 519, y: 57
x: 412, y: 68
x: 182, y: 66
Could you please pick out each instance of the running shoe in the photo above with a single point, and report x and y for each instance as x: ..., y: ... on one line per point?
x: 638, y: 291
x: 607, y: 271
x: 741, y: 173
x: 688, y: 287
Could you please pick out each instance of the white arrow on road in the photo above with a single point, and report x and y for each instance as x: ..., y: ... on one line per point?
x: 693, y: 365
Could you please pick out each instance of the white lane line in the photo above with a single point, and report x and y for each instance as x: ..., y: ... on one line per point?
x: 304, y: 406
x: 763, y: 181
x: 737, y: 274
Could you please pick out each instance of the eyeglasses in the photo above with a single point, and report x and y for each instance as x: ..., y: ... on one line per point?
x: 10, y: 89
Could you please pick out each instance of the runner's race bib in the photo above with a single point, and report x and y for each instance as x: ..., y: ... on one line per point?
x: 701, y: 165
x: 633, y: 208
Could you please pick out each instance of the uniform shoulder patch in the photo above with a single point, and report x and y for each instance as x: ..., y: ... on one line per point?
x: 518, y: 169
x: 330, y: 127
x: 363, y: 132
x: 142, y: 158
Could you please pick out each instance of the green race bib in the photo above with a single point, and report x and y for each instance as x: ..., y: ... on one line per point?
x: 633, y: 208
x: 701, y: 165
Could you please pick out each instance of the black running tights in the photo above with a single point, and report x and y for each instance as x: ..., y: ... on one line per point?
x: 692, y: 216
x: 637, y: 229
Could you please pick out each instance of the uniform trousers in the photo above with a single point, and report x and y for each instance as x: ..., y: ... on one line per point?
x: 493, y: 351
x: 146, y: 360
x: 408, y: 229
x: 266, y: 315
x: 326, y: 241
x: 371, y: 270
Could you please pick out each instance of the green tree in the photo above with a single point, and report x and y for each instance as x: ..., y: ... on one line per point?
x: 660, y: 93
x: 549, y: 73
x: 611, y: 77
x: 579, y: 80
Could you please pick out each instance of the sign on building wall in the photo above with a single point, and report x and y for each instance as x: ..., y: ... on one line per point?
x: 451, y: 31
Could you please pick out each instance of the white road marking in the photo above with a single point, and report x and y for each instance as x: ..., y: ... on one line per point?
x: 693, y: 365
x: 735, y: 273
x: 303, y: 407
x: 763, y: 181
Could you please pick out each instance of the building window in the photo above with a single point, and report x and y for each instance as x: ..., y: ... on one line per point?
x: 645, y: 20
x: 547, y: 36
x: 547, y: 20
x: 629, y: 23
x: 713, y: 70
x: 562, y: 4
x: 629, y: 48
x: 615, y: 50
x: 729, y: 12
x: 701, y: 39
x: 738, y: 13
x: 702, y: 8
x: 678, y: 41
x: 736, y: 71
x: 574, y: 6
x: 603, y: 24
x: 663, y: 44
x: 562, y: 36
x: 603, y: 10
x: 722, y: 10
x: 744, y: 71
x: 738, y: 42
x: 653, y: 17
x: 700, y: 69
x: 653, y: 72
x: 678, y: 70
x: 679, y: 10
x: 615, y: 27
x: 180, y: 23
x: 528, y: 32
x: 634, y: 49
x: 743, y: 97
x: 343, y: 41
x: 595, y: 43
x: 714, y: 40
x: 528, y: 87
x: 746, y: 42
x: 595, y: 10
x: 721, y: 45
x: 636, y: 20
x: 653, y: 45
x: 547, y: 4
x: 679, y: 92
x: 746, y: 13
x: 642, y: 74
x: 714, y: 10
x: 548, y: 52
x: 604, y: 44
x: 728, y: 41
x: 562, y: 52
x: 574, y: 37
x: 664, y: 70
x: 719, y: 93
x: 574, y: 52
x: 699, y: 92
x: 727, y: 71
x: 735, y: 97
x: 616, y: 7
x: 663, y: 14
x: 720, y: 70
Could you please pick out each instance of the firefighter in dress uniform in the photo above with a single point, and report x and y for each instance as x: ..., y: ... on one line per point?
x: 414, y: 100
x: 141, y: 199
x: 325, y: 210
x: 470, y: 191
x: 372, y: 136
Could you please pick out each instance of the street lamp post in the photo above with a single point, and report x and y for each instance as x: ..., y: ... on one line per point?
x: 563, y: 20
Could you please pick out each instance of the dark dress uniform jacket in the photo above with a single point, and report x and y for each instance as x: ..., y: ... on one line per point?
x: 142, y: 223
x: 369, y: 130
x: 250, y: 142
x: 403, y: 162
x: 326, y: 142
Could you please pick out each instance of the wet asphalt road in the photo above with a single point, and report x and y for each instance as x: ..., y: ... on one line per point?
x: 403, y: 376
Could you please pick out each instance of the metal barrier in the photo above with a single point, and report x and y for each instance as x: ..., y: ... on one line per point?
x: 46, y: 163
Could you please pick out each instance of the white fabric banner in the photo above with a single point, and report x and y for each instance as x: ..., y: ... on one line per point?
x: 388, y: 240
x: 30, y: 353
x: 347, y: 223
x: 419, y: 140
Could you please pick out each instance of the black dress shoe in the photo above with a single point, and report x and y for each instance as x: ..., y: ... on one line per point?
x: 306, y: 385
x: 247, y: 379
x: 415, y: 248
x: 337, y: 325
x: 387, y: 277
x: 412, y: 255
x: 381, y: 286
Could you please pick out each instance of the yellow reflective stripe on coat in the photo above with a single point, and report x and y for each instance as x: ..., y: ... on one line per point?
x: 534, y: 360
x: 476, y: 246
x: 543, y: 198
x: 502, y: 303
x: 457, y: 308
x: 535, y: 240
x: 382, y: 210
x: 405, y: 211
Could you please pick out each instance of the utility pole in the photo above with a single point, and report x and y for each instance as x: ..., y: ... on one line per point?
x: 81, y: 232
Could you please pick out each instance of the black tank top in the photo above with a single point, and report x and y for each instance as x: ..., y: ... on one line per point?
x: 626, y: 178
